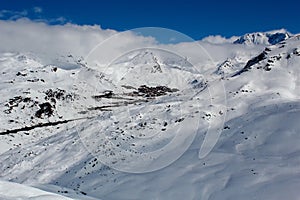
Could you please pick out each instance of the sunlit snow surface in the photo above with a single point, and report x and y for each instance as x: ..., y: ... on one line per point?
x: 257, y: 155
x: 9, y: 190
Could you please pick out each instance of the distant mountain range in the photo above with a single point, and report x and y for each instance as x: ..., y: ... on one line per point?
x: 266, y: 38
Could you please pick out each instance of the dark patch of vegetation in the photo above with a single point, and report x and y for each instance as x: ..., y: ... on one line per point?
x: 21, y: 74
x: 15, y: 101
x: 226, y: 127
x: 179, y: 120
x: 107, y: 94
x: 59, y: 94
x: 33, y: 80
x: 45, y: 110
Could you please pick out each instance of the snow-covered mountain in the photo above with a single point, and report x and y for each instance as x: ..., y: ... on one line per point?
x: 133, y: 130
x: 265, y: 38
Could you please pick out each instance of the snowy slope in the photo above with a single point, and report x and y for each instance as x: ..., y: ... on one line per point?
x: 136, y: 132
x: 9, y: 190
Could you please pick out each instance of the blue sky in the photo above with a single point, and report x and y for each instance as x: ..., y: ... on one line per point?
x: 196, y: 19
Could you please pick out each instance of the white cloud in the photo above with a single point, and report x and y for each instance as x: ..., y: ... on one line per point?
x: 58, y: 20
x: 37, y: 9
x: 218, y: 39
x: 35, y: 14
x: 24, y: 35
x: 53, y: 41
x: 12, y: 15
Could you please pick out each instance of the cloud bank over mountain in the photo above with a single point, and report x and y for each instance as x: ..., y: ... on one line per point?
x: 51, y: 41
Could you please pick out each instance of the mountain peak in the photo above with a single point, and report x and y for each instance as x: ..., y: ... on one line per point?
x: 264, y: 38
